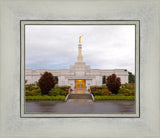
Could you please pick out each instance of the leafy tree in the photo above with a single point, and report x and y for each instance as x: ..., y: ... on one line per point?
x: 56, y: 78
x: 131, y: 77
x: 104, y: 79
x: 113, y: 83
x: 46, y: 82
x: 36, y: 83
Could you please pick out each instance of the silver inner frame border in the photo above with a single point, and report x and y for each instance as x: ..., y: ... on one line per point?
x: 79, y: 22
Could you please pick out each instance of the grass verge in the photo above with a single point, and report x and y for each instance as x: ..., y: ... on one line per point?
x: 114, y: 97
x: 45, y: 97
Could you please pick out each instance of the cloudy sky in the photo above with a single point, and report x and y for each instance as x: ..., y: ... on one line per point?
x: 103, y: 46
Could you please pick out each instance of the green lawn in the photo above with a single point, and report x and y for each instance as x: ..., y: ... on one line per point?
x: 115, y: 97
x: 45, y: 97
x: 62, y: 98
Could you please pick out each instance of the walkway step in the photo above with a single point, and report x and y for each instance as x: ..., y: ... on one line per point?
x: 79, y: 100
x: 79, y: 97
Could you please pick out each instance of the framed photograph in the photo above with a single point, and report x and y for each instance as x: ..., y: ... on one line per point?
x: 110, y: 89
x: 79, y: 69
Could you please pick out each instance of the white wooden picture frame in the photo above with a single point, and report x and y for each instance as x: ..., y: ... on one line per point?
x: 13, y: 125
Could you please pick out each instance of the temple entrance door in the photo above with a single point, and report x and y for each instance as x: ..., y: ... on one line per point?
x: 80, y: 84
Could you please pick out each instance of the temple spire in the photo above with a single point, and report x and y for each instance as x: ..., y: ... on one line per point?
x: 80, y: 57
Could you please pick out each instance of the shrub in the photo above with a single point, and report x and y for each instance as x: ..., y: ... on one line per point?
x: 34, y: 92
x: 46, y: 82
x: 97, y: 93
x: 63, y: 87
x: 96, y: 88
x: 37, y: 91
x: 55, y: 91
x: 105, y: 92
x: 132, y: 92
x: 29, y: 87
x: 104, y: 87
x: 128, y: 85
x: 120, y: 94
x: 113, y: 83
x: 114, y: 97
x: 122, y: 90
x: 27, y: 93
x: 102, y: 92
x: 45, y: 97
x: 63, y: 93
x: 127, y: 92
x: 131, y: 77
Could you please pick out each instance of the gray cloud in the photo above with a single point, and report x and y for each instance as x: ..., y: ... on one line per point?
x: 104, y: 47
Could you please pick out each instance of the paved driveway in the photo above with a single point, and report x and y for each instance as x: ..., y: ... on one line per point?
x: 80, y: 107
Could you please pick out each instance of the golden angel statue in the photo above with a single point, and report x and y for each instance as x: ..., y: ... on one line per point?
x: 80, y: 39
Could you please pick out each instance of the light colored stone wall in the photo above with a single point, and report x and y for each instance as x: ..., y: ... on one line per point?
x: 67, y: 76
x: 122, y: 73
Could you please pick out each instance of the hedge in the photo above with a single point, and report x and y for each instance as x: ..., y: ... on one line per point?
x: 63, y: 87
x: 45, y: 97
x: 98, y: 87
x: 116, y: 97
x: 57, y: 91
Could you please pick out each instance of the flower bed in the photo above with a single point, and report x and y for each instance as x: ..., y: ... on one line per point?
x: 128, y: 85
x: 127, y: 89
x: 31, y: 90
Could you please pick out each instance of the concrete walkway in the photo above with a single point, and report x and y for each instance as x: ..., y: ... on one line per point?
x: 80, y: 91
x: 79, y: 95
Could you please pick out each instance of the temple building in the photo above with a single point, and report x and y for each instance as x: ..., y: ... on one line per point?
x: 78, y: 75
